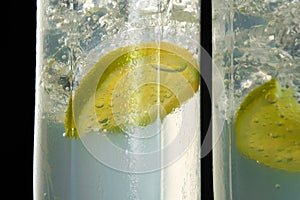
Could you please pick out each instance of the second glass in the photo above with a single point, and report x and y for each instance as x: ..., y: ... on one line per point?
x: 256, y: 98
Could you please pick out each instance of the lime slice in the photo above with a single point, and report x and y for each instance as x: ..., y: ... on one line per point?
x: 132, y: 86
x: 267, y: 127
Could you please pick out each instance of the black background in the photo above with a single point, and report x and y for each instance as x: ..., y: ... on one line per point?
x: 18, y: 25
x: 18, y: 45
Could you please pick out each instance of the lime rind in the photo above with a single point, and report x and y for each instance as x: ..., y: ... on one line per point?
x: 267, y: 127
x: 70, y: 127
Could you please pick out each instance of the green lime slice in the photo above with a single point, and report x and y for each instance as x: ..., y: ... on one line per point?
x: 267, y: 127
x: 132, y: 86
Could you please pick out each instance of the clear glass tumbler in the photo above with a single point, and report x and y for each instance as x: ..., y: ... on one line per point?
x: 256, y: 99
x: 117, y: 100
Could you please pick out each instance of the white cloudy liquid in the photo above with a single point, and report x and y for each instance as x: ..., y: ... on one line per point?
x: 65, y: 169
x: 239, y: 177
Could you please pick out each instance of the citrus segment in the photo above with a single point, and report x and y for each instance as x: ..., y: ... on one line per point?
x: 267, y: 127
x: 133, y: 86
x: 70, y: 127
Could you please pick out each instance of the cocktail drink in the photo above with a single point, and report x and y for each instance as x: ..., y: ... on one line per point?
x: 117, y: 100
x: 256, y: 54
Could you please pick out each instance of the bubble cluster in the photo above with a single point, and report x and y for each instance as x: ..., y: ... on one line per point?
x: 72, y: 29
x: 266, y: 44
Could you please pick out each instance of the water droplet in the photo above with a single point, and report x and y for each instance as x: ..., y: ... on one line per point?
x: 277, y: 186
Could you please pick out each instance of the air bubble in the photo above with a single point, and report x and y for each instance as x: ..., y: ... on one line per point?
x: 280, y: 150
x: 101, y: 105
x: 260, y: 150
x: 289, y: 130
x: 60, y: 40
x: 281, y: 116
x: 270, y: 134
x: 95, y: 18
x: 271, y: 98
x: 238, y: 93
x: 271, y: 37
x: 237, y: 77
x: 278, y: 123
x: 274, y: 136
x: 168, y: 95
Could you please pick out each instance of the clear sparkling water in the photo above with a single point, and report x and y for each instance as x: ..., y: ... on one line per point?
x: 71, y: 31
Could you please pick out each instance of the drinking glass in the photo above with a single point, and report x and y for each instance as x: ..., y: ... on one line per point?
x: 256, y: 99
x: 117, y: 111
